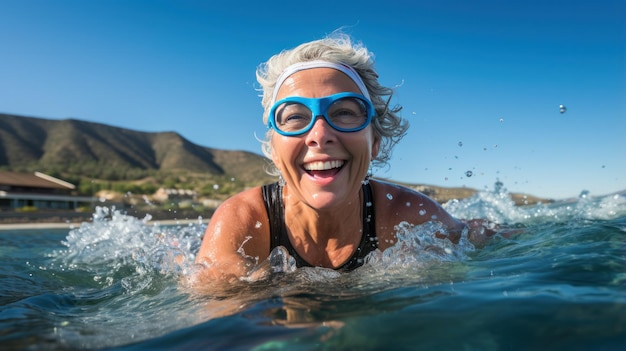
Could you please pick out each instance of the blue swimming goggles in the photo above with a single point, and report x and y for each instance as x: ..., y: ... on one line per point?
x: 345, y: 112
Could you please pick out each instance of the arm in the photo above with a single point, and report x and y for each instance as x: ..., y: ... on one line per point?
x: 396, y: 204
x: 478, y: 230
x: 236, y: 239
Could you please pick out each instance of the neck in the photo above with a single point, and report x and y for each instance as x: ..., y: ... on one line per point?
x: 325, y: 237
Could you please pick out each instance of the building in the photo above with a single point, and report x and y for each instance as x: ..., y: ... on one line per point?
x: 164, y: 195
x: 38, y: 191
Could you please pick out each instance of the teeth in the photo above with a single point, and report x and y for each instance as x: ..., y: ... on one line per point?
x: 323, y: 166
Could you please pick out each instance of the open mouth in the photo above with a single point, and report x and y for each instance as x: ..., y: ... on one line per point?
x: 324, y: 168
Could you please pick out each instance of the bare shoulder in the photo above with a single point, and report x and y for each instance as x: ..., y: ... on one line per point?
x: 395, y: 204
x: 400, y: 201
x: 239, y: 225
x: 246, y: 203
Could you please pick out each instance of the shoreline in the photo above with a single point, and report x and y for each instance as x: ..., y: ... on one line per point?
x: 72, y: 225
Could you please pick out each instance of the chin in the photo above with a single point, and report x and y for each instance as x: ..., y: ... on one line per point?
x: 329, y: 197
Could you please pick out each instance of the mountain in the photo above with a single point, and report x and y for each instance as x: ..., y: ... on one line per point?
x: 93, y: 149
x: 87, y: 152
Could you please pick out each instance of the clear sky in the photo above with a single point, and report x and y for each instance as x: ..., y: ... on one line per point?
x: 480, y: 81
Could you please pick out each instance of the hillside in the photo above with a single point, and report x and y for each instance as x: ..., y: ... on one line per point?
x: 101, y: 157
x: 72, y: 148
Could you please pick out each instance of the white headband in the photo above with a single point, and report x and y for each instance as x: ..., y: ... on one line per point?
x: 301, y: 66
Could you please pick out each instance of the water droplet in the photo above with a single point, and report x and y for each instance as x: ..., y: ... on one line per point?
x: 408, y: 204
x: 389, y: 196
x: 257, y: 224
x: 501, y: 120
x: 562, y: 108
x: 469, y: 174
x: 422, y: 212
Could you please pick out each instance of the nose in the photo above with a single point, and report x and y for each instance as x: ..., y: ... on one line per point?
x: 321, y: 133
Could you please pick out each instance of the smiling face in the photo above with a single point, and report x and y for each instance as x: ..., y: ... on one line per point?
x: 323, y: 168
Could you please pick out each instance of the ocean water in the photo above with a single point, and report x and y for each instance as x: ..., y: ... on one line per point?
x: 124, y: 283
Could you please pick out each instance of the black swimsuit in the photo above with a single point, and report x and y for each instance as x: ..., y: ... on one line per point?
x: 272, y: 196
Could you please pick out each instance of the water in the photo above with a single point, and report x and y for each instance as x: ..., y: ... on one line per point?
x: 120, y: 283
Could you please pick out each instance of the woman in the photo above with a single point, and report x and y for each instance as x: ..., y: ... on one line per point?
x: 328, y: 120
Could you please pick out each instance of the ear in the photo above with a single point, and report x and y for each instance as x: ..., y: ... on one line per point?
x: 375, y: 147
x: 275, y: 158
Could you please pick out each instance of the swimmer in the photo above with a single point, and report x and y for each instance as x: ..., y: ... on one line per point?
x: 329, y: 120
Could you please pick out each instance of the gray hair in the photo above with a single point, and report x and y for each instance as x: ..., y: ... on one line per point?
x: 388, y: 126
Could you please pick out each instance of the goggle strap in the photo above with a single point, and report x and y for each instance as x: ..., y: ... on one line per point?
x: 301, y: 66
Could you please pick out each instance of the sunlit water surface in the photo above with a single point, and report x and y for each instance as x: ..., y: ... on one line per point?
x: 121, y: 283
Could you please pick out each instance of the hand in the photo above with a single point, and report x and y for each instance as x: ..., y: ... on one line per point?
x: 481, y: 230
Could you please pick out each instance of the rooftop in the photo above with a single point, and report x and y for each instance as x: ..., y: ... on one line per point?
x: 33, y: 180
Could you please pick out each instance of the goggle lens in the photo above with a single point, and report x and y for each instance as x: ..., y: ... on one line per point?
x: 345, y: 112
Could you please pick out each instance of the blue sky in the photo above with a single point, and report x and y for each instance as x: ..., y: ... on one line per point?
x: 480, y: 81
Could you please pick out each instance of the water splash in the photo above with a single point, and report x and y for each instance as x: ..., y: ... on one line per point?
x: 597, y: 208
x: 134, y: 268
x: 498, y: 206
x: 120, y: 249
x: 495, y: 206
x: 129, y: 268
x: 116, y: 247
x: 134, y: 255
x: 419, y: 245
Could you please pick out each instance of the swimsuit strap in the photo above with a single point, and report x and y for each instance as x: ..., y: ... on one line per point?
x: 369, y: 239
x: 272, y: 197
x: 273, y: 206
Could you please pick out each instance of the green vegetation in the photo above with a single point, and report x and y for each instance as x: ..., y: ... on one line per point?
x: 96, y: 157
x: 27, y: 209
